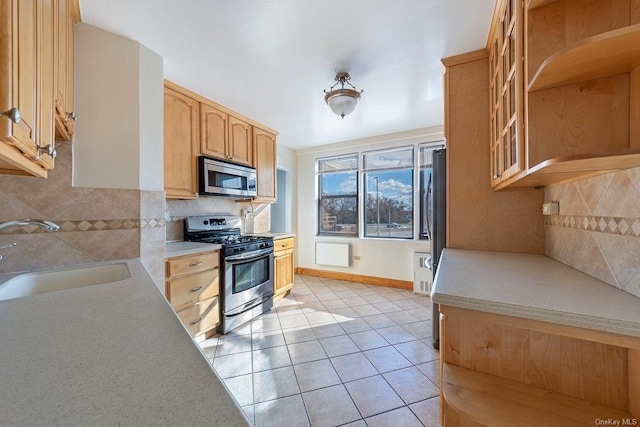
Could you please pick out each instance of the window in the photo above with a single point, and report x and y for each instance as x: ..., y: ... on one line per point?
x: 388, y: 201
x: 426, y: 189
x: 338, y: 195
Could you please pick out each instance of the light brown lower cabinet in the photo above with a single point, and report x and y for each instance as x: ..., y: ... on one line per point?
x: 283, y: 275
x: 500, y: 370
x: 192, y: 287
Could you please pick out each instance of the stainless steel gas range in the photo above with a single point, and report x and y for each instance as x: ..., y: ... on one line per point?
x: 246, y: 270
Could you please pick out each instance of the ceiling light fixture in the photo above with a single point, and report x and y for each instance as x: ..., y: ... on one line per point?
x: 342, y: 101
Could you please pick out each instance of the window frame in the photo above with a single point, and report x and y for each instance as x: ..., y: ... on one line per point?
x: 367, y: 171
x: 360, y: 197
x: 319, y: 231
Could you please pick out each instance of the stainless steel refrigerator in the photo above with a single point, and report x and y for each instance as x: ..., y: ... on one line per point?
x: 437, y: 225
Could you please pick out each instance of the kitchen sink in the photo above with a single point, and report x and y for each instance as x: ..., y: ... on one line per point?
x: 63, y: 278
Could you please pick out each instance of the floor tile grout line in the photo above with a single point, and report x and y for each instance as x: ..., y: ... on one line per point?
x: 343, y: 332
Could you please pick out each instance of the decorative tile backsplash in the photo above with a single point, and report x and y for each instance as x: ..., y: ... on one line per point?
x: 258, y: 221
x: 598, y: 229
x: 603, y: 224
x: 96, y: 224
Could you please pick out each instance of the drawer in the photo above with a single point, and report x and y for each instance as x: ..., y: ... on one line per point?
x: 201, y: 317
x: 282, y: 244
x: 189, y: 290
x: 192, y: 263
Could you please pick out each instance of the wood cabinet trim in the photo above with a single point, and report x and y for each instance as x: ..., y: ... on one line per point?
x: 465, y: 57
x: 200, y: 98
x: 545, y: 327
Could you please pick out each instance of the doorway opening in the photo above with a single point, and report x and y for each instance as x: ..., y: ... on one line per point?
x: 281, y: 210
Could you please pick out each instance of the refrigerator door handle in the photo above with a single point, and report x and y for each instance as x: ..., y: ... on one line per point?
x: 429, y: 263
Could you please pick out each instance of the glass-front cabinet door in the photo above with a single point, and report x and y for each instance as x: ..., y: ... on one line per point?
x: 506, y: 93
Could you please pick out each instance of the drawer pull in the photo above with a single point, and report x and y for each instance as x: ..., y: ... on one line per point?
x: 195, y: 322
x: 195, y: 264
x: 195, y: 289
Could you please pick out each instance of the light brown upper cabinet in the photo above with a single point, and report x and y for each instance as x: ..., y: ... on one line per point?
x: 66, y: 15
x: 27, y: 87
x: 224, y: 136
x: 214, y: 131
x: 181, y: 143
x: 220, y: 133
x: 264, y: 147
x: 506, y: 81
x: 240, y: 143
x: 581, y: 74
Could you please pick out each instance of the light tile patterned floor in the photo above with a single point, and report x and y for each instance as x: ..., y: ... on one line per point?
x: 334, y: 353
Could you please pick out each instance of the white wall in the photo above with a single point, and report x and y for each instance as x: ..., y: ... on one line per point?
x: 287, y: 161
x: 379, y: 257
x: 118, y: 140
x: 151, y: 99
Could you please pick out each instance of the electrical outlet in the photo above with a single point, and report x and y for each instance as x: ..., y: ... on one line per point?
x: 552, y: 208
x: 356, y: 257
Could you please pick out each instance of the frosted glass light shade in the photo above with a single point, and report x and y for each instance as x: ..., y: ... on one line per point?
x: 342, y: 101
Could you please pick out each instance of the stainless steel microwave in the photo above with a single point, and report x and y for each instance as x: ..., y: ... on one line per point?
x: 218, y: 178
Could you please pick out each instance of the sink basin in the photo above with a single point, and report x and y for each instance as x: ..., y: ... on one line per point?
x: 60, y: 279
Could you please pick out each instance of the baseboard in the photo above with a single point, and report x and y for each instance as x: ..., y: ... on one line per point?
x: 358, y: 278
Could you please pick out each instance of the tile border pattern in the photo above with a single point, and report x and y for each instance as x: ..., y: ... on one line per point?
x: 602, y: 224
x: 91, y: 225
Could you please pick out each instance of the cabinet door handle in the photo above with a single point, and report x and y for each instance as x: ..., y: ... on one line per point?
x: 195, y: 322
x: 195, y: 289
x: 195, y: 264
x: 13, y: 115
x: 47, y: 149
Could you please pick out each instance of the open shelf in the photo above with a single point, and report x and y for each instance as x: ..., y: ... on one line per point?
x: 607, y: 54
x: 498, y: 402
x: 534, y: 4
x: 566, y: 169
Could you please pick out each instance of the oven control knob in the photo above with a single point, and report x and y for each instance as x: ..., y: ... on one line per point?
x: 262, y: 245
x: 205, y: 222
x: 236, y: 250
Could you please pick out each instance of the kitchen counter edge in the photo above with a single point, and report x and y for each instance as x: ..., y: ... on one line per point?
x: 108, y: 354
x: 176, y: 249
x: 533, y: 287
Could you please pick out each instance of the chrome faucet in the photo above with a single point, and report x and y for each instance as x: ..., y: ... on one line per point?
x: 8, y: 245
x: 47, y: 225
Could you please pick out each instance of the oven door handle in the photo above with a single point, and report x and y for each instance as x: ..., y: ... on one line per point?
x: 249, y: 256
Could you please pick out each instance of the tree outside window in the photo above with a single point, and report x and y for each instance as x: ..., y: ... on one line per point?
x: 388, y: 210
x: 338, y: 195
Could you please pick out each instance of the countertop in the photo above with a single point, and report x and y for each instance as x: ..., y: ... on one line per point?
x: 533, y: 287
x: 109, y: 354
x: 174, y: 249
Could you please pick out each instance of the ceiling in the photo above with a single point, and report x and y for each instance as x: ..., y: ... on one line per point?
x: 272, y: 60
